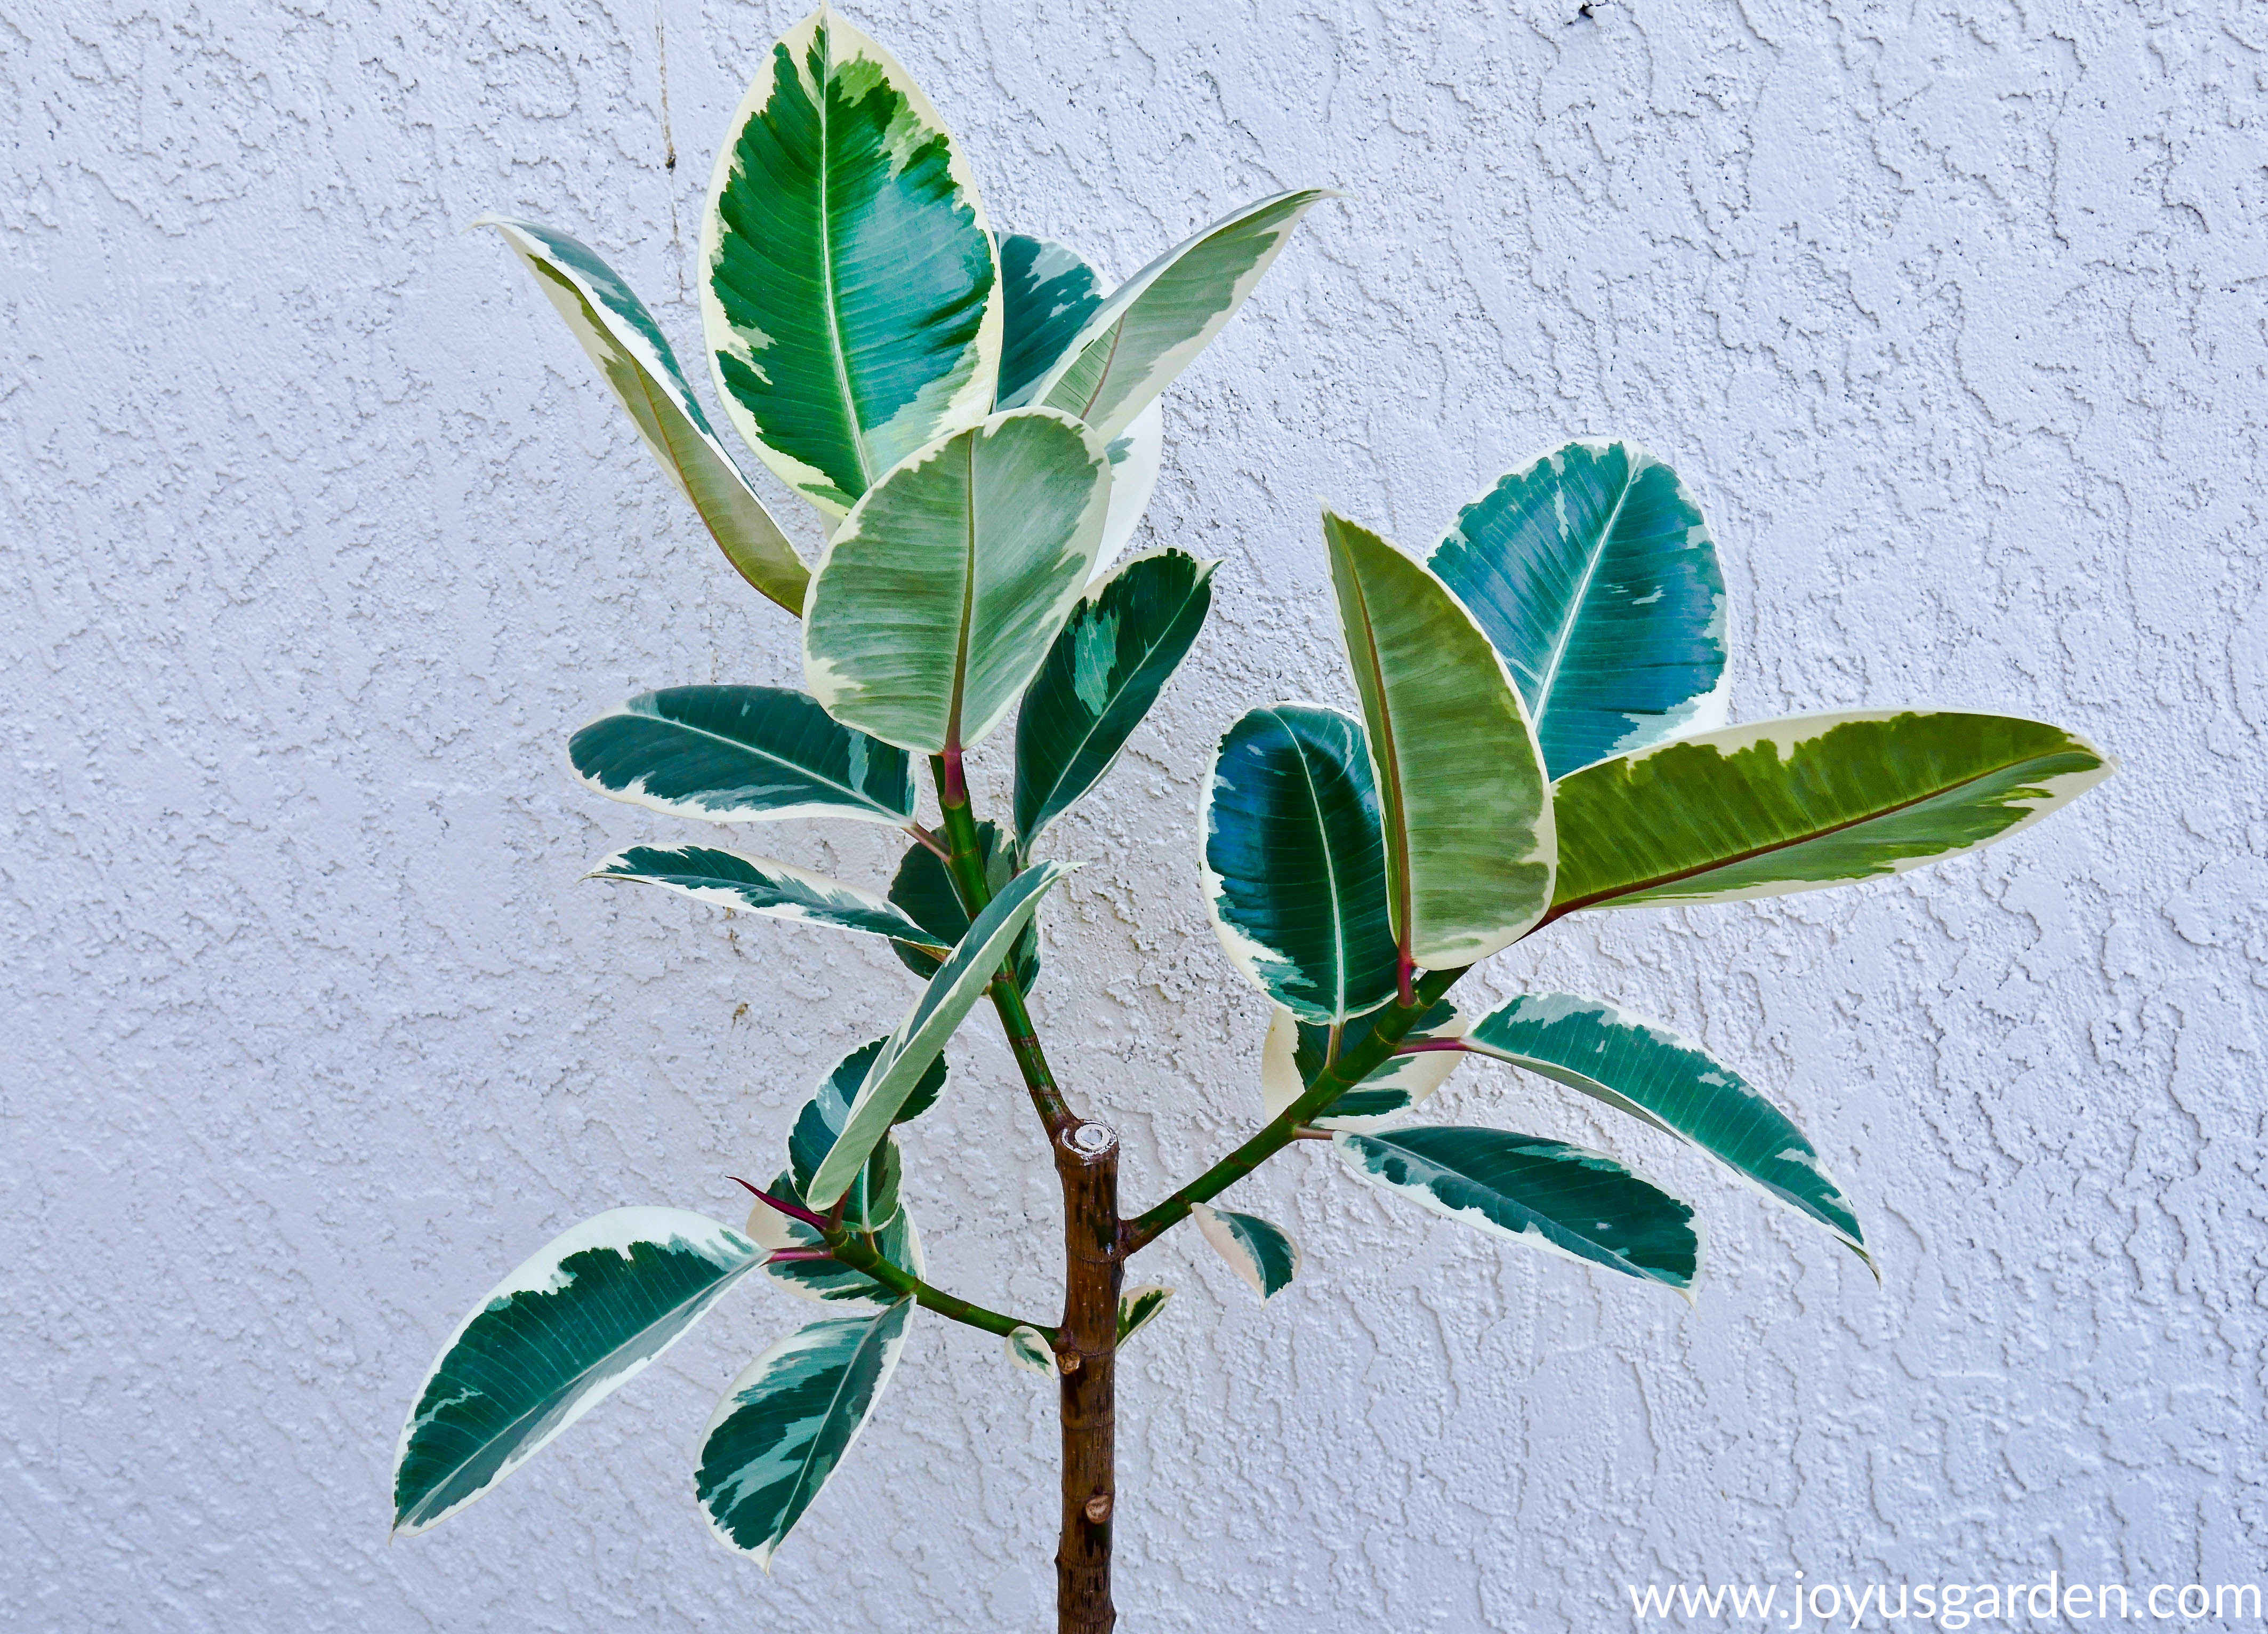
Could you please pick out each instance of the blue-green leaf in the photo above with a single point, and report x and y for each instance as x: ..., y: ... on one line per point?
x: 1296, y: 1050
x: 1806, y: 802
x: 923, y: 890
x: 1592, y: 573
x: 1138, y: 1307
x: 1294, y: 867
x: 788, y: 1423
x: 848, y: 290
x: 898, y: 1068
x: 550, y: 1342
x: 1159, y: 319
x: 1651, y: 1074
x: 1579, y: 1205
x: 759, y: 886
x: 1108, y: 665
x: 1265, y: 1255
x: 621, y: 337
x: 735, y: 754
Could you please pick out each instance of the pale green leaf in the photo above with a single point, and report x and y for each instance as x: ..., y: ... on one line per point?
x: 899, y: 1066
x: 1808, y: 801
x: 789, y: 1420
x: 573, y: 1324
x: 1159, y: 319
x: 939, y: 594
x: 621, y: 337
x: 849, y: 290
x: 1468, y: 811
x: 1029, y: 1348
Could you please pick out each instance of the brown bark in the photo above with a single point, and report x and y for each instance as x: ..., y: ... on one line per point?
x: 1086, y: 1355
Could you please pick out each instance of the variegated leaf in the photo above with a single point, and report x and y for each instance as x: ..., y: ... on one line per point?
x: 939, y: 594
x: 1649, y: 1072
x: 736, y: 754
x: 899, y: 1066
x: 1138, y: 1307
x: 572, y: 1325
x: 621, y: 337
x: 1806, y: 802
x: 1469, y: 846
x: 1296, y: 1051
x: 1592, y: 572
x: 1294, y: 864
x: 788, y: 1423
x: 1579, y: 1205
x: 761, y: 886
x: 829, y: 1280
x: 1265, y: 1255
x: 849, y: 288
x: 1029, y: 1348
x: 923, y: 890
x: 1159, y: 319
x: 1120, y: 646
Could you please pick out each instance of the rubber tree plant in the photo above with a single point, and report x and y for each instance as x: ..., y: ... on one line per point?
x: 1539, y: 733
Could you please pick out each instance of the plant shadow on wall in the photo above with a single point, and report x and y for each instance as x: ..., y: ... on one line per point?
x: 1540, y: 734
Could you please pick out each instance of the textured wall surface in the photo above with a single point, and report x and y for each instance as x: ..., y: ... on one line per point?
x: 319, y: 535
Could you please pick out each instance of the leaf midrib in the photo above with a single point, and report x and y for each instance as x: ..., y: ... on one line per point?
x: 1566, y: 636
x: 858, y: 796
x: 1575, y: 904
x: 565, y: 1392
x: 1389, y: 767
x: 827, y: 268
x: 1330, y: 877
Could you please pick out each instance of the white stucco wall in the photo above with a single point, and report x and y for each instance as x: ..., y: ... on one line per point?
x: 319, y: 535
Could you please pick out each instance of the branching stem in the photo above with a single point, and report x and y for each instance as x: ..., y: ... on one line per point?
x: 1352, y: 1067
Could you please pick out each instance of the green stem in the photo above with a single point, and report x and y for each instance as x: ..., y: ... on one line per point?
x: 1334, y: 1080
x: 851, y: 1249
x: 966, y: 862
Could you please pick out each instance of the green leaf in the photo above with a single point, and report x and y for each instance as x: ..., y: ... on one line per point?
x: 896, y: 1071
x: 849, y: 287
x: 621, y: 337
x: 1578, y: 1204
x: 1651, y: 1074
x: 1048, y: 293
x: 759, y: 886
x: 1592, y: 572
x: 1807, y: 802
x: 1296, y: 1051
x: 1294, y: 868
x: 788, y: 1423
x: 938, y: 597
x: 1159, y: 319
x: 1138, y: 1306
x: 735, y: 754
x: 550, y: 1342
x: 829, y: 1280
x: 1029, y: 1348
x: 1121, y: 645
x: 1466, y: 808
x: 1264, y: 1255
x: 872, y: 1199
x: 923, y: 890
